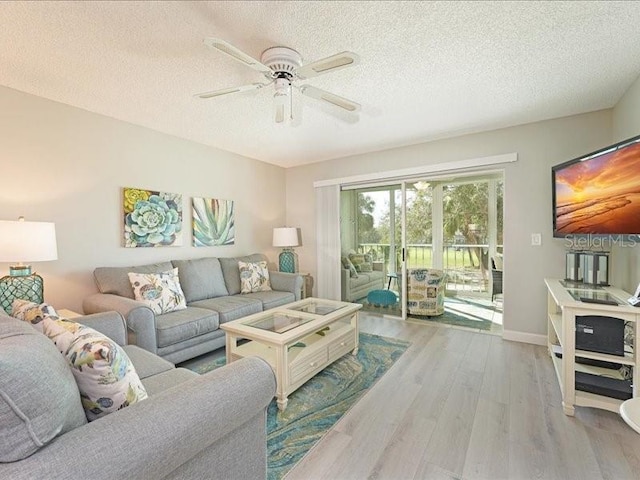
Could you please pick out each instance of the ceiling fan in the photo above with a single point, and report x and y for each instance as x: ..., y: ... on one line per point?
x: 283, y: 68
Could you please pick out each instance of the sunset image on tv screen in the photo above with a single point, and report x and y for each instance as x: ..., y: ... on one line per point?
x: 600, y: 195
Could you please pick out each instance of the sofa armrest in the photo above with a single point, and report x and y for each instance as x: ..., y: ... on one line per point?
x: 287, y: 282
x: 196, y: 425
x: 111, y: 324
x: 140, y: 319
x: 345, y: 284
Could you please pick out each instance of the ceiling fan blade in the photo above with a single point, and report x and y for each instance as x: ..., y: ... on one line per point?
x: 327, y: 65
x: 331, y: 98
x: 236, y: 54
x: 227, y: 91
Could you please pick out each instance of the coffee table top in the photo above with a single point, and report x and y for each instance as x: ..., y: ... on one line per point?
x: 295, y: 319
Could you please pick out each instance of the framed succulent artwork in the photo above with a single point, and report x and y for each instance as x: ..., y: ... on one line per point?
x: 213, y: 222
x: 151, y: 218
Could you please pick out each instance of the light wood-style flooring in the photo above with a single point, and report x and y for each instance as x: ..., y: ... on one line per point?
x: 460, y: 404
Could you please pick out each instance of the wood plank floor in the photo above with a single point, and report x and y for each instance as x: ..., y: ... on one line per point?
x: 466, y: 405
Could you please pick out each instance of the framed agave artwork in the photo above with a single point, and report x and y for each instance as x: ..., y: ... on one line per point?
x: 213, y: 222
x: 151, y: 218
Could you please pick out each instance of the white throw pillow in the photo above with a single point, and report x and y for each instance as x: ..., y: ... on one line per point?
x: 254, y: 277
x: 161, y: 291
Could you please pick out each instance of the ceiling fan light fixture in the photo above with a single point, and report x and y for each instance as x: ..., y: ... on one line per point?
x: 280, y: 113
x: 282, y: 66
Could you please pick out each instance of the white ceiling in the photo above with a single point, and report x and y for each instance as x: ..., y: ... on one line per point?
x: 428, y: 69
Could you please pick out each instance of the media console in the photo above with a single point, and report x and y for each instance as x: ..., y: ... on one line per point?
x: 585, y: 337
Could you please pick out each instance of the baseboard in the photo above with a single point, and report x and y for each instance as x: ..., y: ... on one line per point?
x: 523, y: 337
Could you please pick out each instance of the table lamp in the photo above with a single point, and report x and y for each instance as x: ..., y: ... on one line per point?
x: 286, y: 237
x: 22, y: 241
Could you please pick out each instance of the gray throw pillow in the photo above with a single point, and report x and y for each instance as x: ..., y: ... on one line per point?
x: 39, y: 399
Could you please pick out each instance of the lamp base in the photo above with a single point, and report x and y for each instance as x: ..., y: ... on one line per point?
x: 26, y: 287
x: 288, y: 261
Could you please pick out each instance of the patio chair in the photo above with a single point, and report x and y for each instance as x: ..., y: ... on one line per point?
x: 425, y: 291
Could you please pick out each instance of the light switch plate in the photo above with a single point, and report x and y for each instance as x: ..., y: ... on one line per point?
x: 536, y: 239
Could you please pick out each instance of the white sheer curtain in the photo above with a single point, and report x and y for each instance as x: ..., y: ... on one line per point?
x: 328, y: 241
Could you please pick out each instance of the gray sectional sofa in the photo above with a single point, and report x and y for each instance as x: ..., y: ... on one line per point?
x: 212, y: 290
x: 191, y: 426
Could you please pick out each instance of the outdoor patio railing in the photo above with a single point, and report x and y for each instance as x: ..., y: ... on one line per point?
x: 466, y: 265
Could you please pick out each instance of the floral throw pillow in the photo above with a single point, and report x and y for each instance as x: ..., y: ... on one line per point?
x: 161, y: 291
x: 254, y: 277
x: 32, y: 312
x: 105, y: 376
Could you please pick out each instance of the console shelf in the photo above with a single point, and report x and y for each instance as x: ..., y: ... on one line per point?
x: 562, y: 310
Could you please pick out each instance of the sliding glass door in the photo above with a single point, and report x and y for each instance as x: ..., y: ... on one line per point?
x: 454, y: 225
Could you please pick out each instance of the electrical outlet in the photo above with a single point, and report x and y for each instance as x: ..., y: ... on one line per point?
x: 536, y: 239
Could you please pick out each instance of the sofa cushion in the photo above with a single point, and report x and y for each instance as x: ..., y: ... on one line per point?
x: 201, y: 278
x: 160, y: 291
x: 231, y: 271
x: 272, y: 299
x: 166, y: 380
x: 362, y: 279
x: 146, y: 363
x: 254, y: 277
x: 182, y: 325
x: 106, y: 378
x: 115, y: 280
x: 231, y: 307
x: 39, y: 399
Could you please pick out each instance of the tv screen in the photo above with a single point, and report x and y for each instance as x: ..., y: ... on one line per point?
x: 598, y: 193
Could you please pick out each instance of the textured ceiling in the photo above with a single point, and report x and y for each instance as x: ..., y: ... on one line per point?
x: 428, y: 69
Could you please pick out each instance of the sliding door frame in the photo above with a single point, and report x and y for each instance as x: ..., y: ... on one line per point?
x: 329, y: 271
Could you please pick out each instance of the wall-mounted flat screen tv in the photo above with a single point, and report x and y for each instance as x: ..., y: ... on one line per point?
x: 598, y: 193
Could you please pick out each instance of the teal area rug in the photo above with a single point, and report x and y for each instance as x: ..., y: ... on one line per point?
x: 316, y: 406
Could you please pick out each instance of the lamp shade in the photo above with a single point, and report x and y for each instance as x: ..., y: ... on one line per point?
x: 22, y: 241
x: 285, y: 237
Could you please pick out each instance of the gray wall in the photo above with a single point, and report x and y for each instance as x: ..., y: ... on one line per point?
x: 626, y: 124
x: 527, y: 199
x: 68, y: 166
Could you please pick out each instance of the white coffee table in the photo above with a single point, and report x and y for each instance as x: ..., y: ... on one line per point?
x: 298, y: 340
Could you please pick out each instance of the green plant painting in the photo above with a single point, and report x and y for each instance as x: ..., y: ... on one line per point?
x: 151, y: 218
x: 213, y: 222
